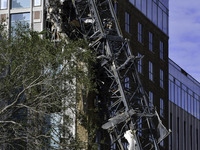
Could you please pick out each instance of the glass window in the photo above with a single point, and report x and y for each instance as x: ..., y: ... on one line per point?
x: 186, y: 100
x: 161, y: 107
x: 24, y: 18
x: 176, y: 94
x: 183, y: 99
x: 161, y: 50
x: 127, y: 83
x: 179, y: 96
x: 172, y: 91
x: 139, y: 65
x: 150, y: 71
x: 160, y: 19
x: 140, y: 30
x: 20, y: 3
x: 149, y: 9
x: 132, y: 2
x: 150, y: 99
x: 195, y: 107
x: 4, y: 4
x: 189, y: 100
x: 138, y: 4
x: 155, y: 13
x: 140, y: 127
x: 192, y: 105
x: 127, y: 17
x: 144, y: 6
x: 198, y: 110
x: 165, y: 23
x: 150, y: 41
x: 37, y: 2
x: 161, y: 78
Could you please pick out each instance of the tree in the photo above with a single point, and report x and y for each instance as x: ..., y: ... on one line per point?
x: 38, y: 89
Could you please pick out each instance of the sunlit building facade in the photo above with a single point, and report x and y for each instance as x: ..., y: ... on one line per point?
x: 184, y: 109
x: 26, y: 11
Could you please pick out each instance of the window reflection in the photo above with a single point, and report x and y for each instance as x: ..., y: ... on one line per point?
x: 127, y: 22
x: 159, y: 18
x: 37, y: 2
x: 20, y: 3
x: 184, y: 97
x: 3, y: 4
x: 23, y: 18
x: 155, y: 13
x: 149, y: 9
x: 138, y: 4
x: 144, y: 6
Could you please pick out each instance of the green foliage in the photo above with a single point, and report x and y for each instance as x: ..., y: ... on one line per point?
x: 38, y: 78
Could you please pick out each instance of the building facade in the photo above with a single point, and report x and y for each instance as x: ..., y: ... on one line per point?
x: 184, y: 109
x: 26, y: 11
x: 145, y: 24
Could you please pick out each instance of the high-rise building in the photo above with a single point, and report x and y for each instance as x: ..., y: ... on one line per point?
x: 184, y: 109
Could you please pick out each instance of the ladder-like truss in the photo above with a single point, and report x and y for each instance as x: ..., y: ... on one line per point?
x: 130, y: 119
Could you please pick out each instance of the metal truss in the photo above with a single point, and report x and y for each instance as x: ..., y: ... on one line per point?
x: 121, y: 92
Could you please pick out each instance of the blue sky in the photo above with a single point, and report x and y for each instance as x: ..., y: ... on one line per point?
x: 184, y: 34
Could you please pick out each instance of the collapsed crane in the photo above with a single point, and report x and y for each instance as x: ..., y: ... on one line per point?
x: 131, y: 123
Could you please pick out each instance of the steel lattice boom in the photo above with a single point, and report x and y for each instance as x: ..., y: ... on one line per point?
x: 130, y: 120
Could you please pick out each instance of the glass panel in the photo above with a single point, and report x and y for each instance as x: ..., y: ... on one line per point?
x: 144, y: 6
x: 132, y: 2
x: 4, y: 4
x: 150, y: 99
x: 127, y: 22
x: 24, y: 18
x: 161, y: 108
x: 150, y: 41
x: 138, y: 4
x: 165, y: 23
x: 139, y: 64
x: 183, y: 99
x: 127, y: 83
x: 172, y: 92
x: 161, y: 78
x: 195, y: 107
x: 189, y: 101
x: 140, y: 32
x: 160, y: 18
x: 149, y: 9
x: 155, y: 13
x: 186, y: 99
x: 37, y: 2
x: 179, y: 96
x: 176, y: 94
x: 198, y: 111
x: 192, y: 105
x: 161, y: 50
x: 20, y: 3
x: 150, y: 71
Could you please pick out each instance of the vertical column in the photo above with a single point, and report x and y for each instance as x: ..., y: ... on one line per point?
x: 31, y: 14
x: 9, y: 7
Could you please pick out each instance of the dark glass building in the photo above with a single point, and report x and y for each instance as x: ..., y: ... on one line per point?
x: 184, y: 109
